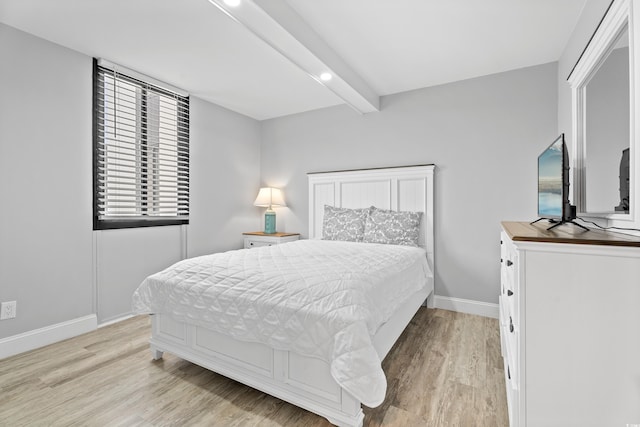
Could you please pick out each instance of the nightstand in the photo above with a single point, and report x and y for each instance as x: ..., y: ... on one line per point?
x: 254, y: 239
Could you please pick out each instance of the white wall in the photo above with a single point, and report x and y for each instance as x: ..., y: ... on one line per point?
x: 483, y: 134
x: 46, y: 240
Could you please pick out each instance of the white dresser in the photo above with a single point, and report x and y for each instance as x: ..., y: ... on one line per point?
x: 570, y: 326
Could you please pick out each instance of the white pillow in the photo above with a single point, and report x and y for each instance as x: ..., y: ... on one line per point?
x: 391, y: 227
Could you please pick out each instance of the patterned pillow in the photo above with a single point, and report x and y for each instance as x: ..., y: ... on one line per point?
x: 344, y: 224
x: 391, y: 227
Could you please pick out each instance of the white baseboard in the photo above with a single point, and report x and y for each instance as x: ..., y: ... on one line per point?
x: 479, y: 308
x: 115, y: 320
x: 37, y: 338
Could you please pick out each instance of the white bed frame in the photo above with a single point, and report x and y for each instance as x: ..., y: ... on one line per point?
x: 304, y: 381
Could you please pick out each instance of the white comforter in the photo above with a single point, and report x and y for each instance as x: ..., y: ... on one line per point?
x: 316, y: 298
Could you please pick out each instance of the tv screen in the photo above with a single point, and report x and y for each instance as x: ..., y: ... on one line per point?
x: 553, y: 186
x: 552, y: 171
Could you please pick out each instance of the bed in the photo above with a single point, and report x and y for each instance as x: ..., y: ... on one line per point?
x: 292, y: 344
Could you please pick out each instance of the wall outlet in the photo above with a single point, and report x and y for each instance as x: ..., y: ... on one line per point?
x: 8, y: 310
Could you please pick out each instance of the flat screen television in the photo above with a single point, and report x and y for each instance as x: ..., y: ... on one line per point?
x: 553, y: 185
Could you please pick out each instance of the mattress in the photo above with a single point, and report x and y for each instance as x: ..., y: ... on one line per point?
x: 318, y: 298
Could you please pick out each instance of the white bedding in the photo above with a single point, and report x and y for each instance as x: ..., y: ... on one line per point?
x: 314, y: 297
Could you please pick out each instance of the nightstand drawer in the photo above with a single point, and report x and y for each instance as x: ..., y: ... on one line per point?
x: 257, y: 238
x: 248, y: 243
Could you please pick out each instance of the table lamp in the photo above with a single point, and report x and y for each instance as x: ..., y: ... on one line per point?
x: 269, y: 198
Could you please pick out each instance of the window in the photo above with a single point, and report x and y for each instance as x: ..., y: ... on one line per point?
x: 141, y: 152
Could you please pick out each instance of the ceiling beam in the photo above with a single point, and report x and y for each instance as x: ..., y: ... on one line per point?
x: 280, y: 27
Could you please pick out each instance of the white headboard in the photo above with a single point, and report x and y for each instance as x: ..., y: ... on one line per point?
x: 407, y: 188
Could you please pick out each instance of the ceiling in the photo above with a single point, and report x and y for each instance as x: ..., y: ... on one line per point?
x: 263, y: 58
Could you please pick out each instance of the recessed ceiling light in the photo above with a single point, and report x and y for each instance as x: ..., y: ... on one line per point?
x: 232, y: 3
x: 325, y: 77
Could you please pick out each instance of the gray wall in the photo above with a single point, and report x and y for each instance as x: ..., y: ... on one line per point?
x: 46, y: 238
x: 45, y: 182
x: 483, y: 134
x: 225, y: 178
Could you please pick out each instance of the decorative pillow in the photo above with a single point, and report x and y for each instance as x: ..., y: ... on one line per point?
x: 391, y: 227
x: 344, y: 224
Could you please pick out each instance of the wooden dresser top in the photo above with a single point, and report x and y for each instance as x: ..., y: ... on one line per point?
x: 566, y: 233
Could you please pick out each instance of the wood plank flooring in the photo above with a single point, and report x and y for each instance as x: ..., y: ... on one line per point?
x: 445, y: 370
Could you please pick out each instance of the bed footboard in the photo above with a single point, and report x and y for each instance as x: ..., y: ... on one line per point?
x: 303, y: 381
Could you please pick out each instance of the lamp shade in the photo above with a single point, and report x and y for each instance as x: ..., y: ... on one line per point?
x: 269, y: 197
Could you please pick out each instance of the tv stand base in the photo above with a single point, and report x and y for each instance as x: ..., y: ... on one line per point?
x: 560, y: 222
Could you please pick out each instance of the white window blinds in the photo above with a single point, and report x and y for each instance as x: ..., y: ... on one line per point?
x: 141, y: 153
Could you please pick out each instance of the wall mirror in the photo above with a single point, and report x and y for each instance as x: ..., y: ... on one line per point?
x: 607, y: 132
x: 603, y: 145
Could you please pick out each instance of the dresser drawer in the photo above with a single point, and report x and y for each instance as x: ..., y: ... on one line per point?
x: 512, y: 393
x: 509, y: 335
x: 509, y: 287
x: 511, y: 356
x: 501, y: 323
x: 509, y: 378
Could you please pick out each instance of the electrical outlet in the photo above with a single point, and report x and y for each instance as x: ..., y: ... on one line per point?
x: 8, y: 310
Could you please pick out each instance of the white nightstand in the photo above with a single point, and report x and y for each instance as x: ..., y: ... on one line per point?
x: 254, y: 239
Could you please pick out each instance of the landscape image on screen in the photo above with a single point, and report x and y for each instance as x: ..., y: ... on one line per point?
x: 550, y: 181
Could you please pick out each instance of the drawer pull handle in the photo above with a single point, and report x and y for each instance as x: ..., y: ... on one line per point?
x: 251, y: 244
x: 511, y: 328
x: 508, y: 372
x: 509, y: 263
x: 509, y: 292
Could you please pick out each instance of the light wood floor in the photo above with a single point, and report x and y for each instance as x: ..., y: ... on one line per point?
x: 445, y: 370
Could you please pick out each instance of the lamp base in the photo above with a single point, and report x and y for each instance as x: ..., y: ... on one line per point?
x: 270, y: 222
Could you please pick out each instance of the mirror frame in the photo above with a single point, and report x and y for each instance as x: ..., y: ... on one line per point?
x: 619, y: 17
